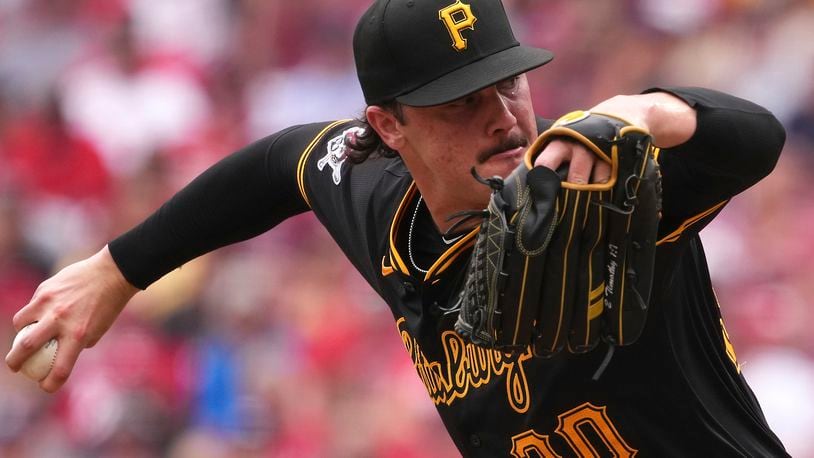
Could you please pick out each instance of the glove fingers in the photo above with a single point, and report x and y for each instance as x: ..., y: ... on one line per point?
x: 629, y: 320
x: 630, y: 241
x: 499, y: 301
x: 644, y: 229
x: 590, y: 288
x: 520, y: 301
x: 525, y: 261
x: 560, y: 276
x: 616, y: 292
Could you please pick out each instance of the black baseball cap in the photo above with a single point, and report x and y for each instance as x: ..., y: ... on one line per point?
x: 429, y: 52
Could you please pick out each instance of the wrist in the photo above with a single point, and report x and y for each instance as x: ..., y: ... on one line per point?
x: 669, y: 119
x: 111, y: 272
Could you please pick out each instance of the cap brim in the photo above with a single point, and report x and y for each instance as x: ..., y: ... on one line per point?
x: 477, y: 75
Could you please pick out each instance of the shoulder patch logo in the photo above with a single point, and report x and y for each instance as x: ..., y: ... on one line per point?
x: 336, y: 153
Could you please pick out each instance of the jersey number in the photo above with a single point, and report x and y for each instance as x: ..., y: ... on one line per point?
x: 584, y: 428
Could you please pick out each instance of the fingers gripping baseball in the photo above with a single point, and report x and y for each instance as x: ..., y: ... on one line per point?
x: 76, y: 307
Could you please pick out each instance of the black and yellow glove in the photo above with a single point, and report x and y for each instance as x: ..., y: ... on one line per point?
x: 559, y: 264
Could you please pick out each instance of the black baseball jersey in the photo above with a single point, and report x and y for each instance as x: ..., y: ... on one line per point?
x: 678, y: 391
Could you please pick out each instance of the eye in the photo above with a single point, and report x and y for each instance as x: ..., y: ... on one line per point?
x: 509, y: 86
x: 463, y: 101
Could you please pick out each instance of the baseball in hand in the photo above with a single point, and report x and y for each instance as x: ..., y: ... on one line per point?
x: 39, y: 364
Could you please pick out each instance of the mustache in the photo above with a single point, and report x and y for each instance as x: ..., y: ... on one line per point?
x: 513, y: 141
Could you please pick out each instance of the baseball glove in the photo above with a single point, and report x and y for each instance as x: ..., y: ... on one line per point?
x: 559, y: 264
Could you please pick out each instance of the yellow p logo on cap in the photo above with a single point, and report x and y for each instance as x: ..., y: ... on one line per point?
x: 457, y: 18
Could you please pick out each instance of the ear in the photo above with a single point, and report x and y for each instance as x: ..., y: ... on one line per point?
x: 386, y: 125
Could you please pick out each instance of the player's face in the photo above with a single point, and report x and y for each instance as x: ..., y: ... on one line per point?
x: 489, y: 129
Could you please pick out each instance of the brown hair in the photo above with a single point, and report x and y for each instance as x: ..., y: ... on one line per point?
x: 368, y: 143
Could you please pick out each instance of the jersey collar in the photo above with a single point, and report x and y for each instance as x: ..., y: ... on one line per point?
x: 394, y: 261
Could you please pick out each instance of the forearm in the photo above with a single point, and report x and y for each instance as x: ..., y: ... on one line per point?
x: 238, y: 198
x: 668, y: 118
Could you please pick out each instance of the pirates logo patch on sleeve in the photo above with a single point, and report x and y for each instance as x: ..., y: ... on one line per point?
x: 336, y: 155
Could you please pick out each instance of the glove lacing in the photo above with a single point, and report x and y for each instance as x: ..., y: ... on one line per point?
x: 476, y: 285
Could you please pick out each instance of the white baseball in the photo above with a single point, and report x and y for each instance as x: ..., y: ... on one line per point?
x: 39, y: 364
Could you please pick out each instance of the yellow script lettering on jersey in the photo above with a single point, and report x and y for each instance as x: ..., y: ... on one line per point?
x: 467, y: 366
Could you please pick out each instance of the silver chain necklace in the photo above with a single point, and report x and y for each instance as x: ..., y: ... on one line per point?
x: 410, y: 238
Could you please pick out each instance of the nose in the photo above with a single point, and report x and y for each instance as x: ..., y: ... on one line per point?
x: 501, y: 118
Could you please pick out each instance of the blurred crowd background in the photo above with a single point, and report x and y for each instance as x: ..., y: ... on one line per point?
x: 276, y: 347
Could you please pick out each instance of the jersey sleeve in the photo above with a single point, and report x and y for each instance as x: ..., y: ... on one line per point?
x: 241, y: 196
x: 356, y: 203
x: 735, y: 145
